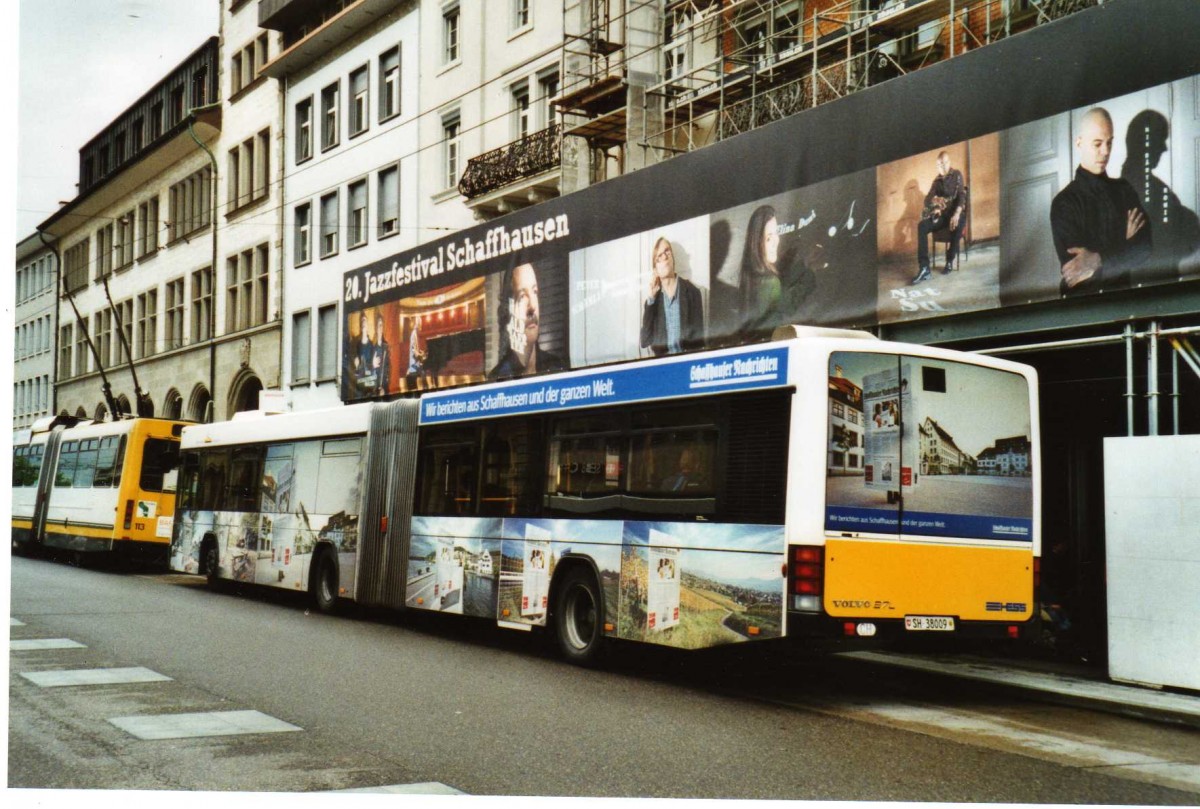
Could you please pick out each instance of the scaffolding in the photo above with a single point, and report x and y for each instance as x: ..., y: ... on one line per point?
x: 712, y: 69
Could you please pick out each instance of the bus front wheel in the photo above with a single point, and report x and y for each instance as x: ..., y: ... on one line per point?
x: 578, y: 621
x: 325, y: 583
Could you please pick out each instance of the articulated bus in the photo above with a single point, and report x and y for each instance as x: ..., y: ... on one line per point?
x: 96, y: 489
x: 822, y: 484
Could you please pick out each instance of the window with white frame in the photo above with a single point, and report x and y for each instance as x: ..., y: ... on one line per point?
x: 520, y: 14
x: 329, y: 224
x: 202, y: 303
x: 547, y: 92
x: 75, y: 265
x: 359, y: 108
x: 302, y: 247
x: 327, y: 343
x: 174, y: 309
x: 329, y: 116
x: 102, y: 336
x: 246, y: 287
x: 147, y: 324
x: 82, y: 353
x: 389, y: 201
x: 262, y: 164
x: 123, y: 243
x: 104, y: 251
x: 64, y: 351
x: 389, y: 83
x: 189, y: 204
x: 450, y: 146
x: 249, y: 170
x: 304, y: 130
x: 450, y: 20
x: 125, y: 324
x: 519, y: 94
x: 147, y: 227
x: 301, y: 345
x: 357, y: 201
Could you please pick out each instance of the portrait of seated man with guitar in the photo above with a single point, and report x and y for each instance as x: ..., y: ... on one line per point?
x: 944, y: 207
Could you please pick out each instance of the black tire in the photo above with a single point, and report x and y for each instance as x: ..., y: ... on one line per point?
x: 579, y: 618
x: 210, y: 559
x: 324, y: 583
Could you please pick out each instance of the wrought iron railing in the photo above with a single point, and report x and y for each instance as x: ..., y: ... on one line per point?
x: 531, y: 155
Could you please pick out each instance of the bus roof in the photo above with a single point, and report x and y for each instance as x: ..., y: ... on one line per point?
x: 258, y: 427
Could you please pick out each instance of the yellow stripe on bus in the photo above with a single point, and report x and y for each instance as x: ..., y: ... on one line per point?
x: 19, y: 523
x: 872, y: 579
x: 80, y: 531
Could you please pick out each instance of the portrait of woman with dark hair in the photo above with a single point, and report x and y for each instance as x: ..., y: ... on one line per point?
x: 774, y: 285
x: 673, y: 310
x: 760, y: 283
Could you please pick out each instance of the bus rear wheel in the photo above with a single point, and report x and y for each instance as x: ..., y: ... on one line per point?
x: 578, y: 620
x: 325, y: 583
x: 211, y: 558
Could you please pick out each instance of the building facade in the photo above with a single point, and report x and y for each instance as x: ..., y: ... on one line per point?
x: 350, y: 75
x: 36, y: 323
x: 137, y: 253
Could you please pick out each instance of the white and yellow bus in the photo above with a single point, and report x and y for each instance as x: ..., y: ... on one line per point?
x: 823, y: 484
x: 96, y: 489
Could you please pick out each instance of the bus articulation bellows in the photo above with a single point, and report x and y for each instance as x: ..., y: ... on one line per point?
x: 96, y: 489
x: 822, y: 484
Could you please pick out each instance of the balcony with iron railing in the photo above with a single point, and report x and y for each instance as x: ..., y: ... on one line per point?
x: 516, y: 174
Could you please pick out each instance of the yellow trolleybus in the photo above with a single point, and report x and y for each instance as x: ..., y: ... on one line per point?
x: 96, y: 489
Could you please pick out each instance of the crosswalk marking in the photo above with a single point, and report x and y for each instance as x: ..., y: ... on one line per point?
x: 191, y: 725
x: 37, y: 644
x: 113, y: 676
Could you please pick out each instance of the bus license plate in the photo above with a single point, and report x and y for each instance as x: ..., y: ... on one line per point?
x: 928, y: 623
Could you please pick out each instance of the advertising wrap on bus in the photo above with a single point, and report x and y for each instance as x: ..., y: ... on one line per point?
x: 809, y: 221
x: 741, y: 370
x: 924, y: 447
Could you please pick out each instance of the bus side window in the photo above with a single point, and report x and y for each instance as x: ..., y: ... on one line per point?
x: 106, y: 463
x: 447, y: 470
x: 160, y: 459
x: 245, y: 480
x: 189, y: 480
x: 85, y: 466
x: 64, y: 475
x: 214, y: 466
x: 673, y: 463
x: 26, y: 465
x: 585, y: 457
x: 507, y: 485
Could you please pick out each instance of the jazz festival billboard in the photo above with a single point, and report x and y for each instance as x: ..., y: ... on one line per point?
x: 1025, y: 188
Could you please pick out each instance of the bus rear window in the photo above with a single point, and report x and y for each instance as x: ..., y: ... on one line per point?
x: 160, y: 465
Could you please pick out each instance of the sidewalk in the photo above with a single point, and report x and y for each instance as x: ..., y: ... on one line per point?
x: 1051, y: 682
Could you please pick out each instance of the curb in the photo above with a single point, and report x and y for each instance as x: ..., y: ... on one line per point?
x: 1050, y: 686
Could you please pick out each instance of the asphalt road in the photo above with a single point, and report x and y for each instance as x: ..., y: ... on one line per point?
x: 417, y: 698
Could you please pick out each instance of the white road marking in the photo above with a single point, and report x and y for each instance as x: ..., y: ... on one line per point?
x: 43, y: 643
x: 191, y: 725
x: 425, y: 788
x: 14, y: 622
x: 115, y: 676
x: 1022, y: 739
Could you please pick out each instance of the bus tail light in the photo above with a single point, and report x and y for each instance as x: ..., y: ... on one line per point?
x: 1037, y: 573
x: 128, y: 514
x: 807, y: 577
